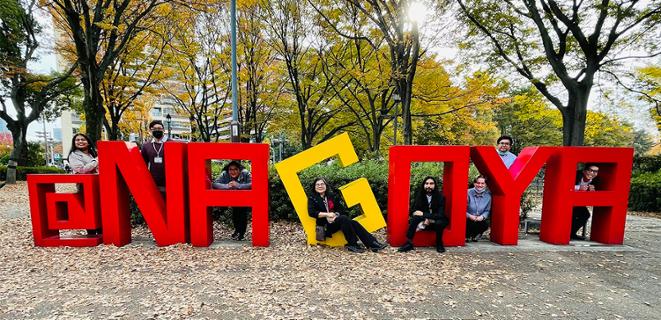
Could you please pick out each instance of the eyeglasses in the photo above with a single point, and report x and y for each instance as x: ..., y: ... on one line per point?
x: 504, y: 143
x: 592, y: 170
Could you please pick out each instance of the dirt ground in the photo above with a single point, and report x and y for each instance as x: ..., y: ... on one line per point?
x: 292, y: 280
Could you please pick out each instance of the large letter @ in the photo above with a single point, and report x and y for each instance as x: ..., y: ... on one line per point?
x: 52, y: 212
x: 356, y: 192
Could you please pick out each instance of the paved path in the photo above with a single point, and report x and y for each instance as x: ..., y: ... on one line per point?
x: 291, y: 280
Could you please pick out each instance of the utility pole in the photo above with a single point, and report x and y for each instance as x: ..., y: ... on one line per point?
x: 234, y: 125
x: 45, y: 136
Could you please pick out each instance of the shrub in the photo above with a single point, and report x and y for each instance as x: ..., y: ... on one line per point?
x: 375, y: 171
x: 647, y: 164
x: 21, y: 172
x: 645, y: 194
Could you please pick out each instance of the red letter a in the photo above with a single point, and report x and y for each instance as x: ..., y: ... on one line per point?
x: 610, y: 199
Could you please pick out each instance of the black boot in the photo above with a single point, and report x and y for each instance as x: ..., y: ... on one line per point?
x: 377, y: 246
x: 406, y: 247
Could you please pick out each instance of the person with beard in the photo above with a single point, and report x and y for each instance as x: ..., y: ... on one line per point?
x: 503, y: 149
x: 586, y: 180
x: 235, y: 177
x: 478, y: 209
x: 428, y: 214
x: 154, y: 155
x: 330, y: 215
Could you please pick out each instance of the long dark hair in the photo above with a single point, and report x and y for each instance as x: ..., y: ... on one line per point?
x: 90, y: 146
x: 421, y: 195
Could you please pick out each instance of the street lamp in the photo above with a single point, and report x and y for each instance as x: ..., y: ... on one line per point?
x: 168, y: 120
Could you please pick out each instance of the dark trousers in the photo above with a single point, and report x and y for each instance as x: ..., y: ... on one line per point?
x: 579, y: 217
x: 352, y: 231
x: 438, y: 226
x: 473, y: 228
x: 240, y: 219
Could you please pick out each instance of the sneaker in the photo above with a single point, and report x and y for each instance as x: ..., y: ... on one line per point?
x: 378, y: 246
x: 355, y: 249
x: 237, y: 236
x: 478, y: 237
x: 406, y: 248
x: 440, y: 249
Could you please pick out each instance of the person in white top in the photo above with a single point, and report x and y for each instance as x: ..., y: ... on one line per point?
x: 83, y: 160
x: 83, y: 156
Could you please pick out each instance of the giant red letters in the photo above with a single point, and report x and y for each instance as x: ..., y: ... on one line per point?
x: 507, y: 186
x: 455, y: 174
x: 188, y: 184
x: 609, y: 201
x: 166, y: 218
x: 52, y: 212
x: 203, y: 197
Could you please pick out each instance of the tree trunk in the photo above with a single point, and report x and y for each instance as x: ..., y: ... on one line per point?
x: 573, y: 121
x: 19, y: 155
x: 405, y: 96
x: 93, y: 106
x: 377, y: 138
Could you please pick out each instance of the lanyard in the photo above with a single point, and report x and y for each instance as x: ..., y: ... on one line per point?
x: 158, y: 152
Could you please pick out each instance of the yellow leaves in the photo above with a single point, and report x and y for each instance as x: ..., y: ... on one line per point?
x: 106, y: 26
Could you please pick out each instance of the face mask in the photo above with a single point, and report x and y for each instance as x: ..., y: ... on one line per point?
x: 157, y: 134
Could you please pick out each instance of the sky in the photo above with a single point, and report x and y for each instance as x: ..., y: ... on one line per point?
x: 47, y: 62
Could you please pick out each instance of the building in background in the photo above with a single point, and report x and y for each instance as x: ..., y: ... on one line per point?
x: 70, y: 124
x: 179, y: 125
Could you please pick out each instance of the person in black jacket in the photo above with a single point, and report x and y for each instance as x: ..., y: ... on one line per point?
x: 428, y: 214
x: 586, y: 180
x: 330, y: 214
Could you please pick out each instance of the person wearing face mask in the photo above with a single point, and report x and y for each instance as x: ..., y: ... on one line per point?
x: 154, y: 154
x: 504, y: 144
x: 235, y: 177
x: 586, y: 180
x: 478, y: 209
x: 331, y: 218
x: 428, y: 214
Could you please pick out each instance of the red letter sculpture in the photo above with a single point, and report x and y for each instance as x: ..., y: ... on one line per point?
x: 507, y: 186
x: 202, y: 197
x: 52, y: 212
x: 166, y: 219
x: 455, y: 178
x: 610, y: 200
